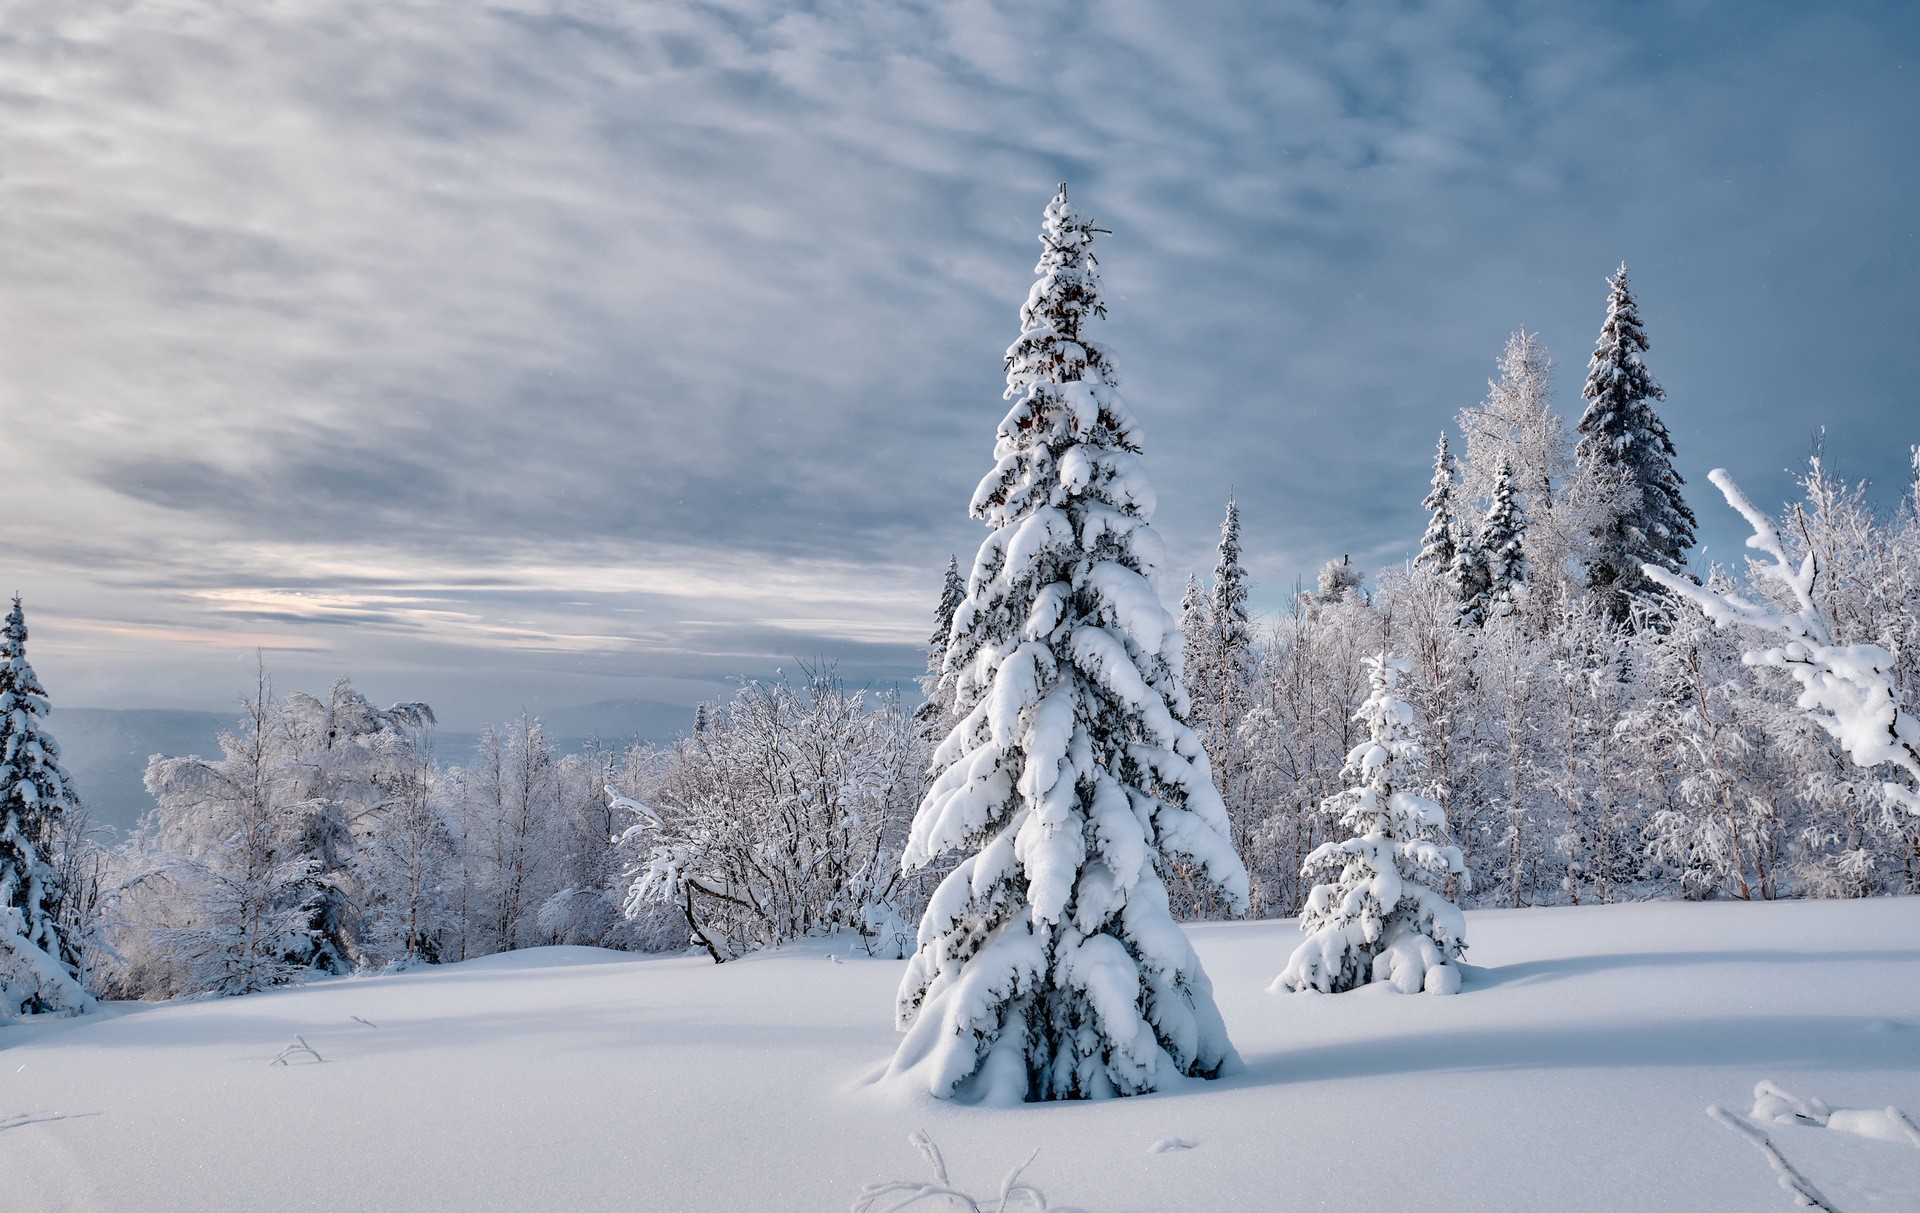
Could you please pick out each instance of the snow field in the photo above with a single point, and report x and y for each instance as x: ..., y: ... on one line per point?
x: 1572, y: 1073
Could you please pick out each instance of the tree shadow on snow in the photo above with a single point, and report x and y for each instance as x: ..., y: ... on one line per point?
x: 1529, y: 972
x: 1761, y: 1042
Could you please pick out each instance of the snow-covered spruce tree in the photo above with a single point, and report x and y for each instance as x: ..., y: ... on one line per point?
x: 1196, y: 621
x: 1470, y: 576
x: 1048, y: 963
x: 39, y: 964
x: 1622, y: 435
x: 1228, y: 675
x: 1503, y: 540
x: 1437, y: 546
x: 1384, y: 916
x: 935, y: 714
x: 1232, y: 627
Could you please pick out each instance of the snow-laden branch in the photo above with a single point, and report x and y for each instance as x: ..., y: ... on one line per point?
x: 1849, y: 689
x: 1797, y: 1185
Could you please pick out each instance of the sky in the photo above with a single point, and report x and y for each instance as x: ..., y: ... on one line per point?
x: 518, y: 355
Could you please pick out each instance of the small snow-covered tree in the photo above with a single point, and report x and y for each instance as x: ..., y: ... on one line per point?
x: 1438, y: 545
x: 1624, y: 438
x: 1385, y: 916
x: 1472, y: 580
x: 1503, y: 540
x: 936, y: 713
x: 1196, y: 620
x: 40, y: 959
x: 1048, y: 963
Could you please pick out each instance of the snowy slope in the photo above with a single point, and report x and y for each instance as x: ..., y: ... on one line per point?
x: 1571, y: 1074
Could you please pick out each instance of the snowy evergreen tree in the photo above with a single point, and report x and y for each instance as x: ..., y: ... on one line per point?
x: 1624, y: 439
x: 40, y: 964
x: 1503, y: 540
x: 936, y: 714
x: 1048, y: 963
x: 1231, y: 624
x: 1385, y: 916
x: 1437, y: 546
x: 1471, y: 578
x: 1219, y: 643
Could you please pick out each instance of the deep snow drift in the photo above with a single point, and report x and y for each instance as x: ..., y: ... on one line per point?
x: 1572, y: 1073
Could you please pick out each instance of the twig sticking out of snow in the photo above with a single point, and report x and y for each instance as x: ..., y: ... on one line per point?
x: 1170, y: 1144
x: 912, y: 1193
x: 1849, y: 689
x: 368, y: 1022
x: 1799, y: 1186
x: 299, y: 1046
x: 20, y: 1120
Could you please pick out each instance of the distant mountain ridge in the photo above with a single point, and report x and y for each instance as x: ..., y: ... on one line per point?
x: 106, y: 749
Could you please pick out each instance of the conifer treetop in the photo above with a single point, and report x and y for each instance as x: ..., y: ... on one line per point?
x: 1620, y: 431
x: 1229, y: 603
x: 1438, y: 546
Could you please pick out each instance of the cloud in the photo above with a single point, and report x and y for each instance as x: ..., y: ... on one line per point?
x: 581, y: 341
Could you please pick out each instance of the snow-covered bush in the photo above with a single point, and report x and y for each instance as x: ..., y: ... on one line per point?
x: 1049, y: 965
x: 1385, y: 915
x: 784, y: 817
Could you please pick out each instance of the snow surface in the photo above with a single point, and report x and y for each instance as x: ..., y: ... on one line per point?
x: 1571, y: 1073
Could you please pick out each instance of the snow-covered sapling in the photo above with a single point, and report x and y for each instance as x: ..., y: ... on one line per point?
x: 1048, y: 963
x: 1385, y: 916
x: 1850, y: 689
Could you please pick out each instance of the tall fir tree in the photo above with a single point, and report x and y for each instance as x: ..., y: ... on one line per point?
x: 1232, y: 626
x: 40, y: 964
x: 935, y: 715
x: 1503, y: 540
x: 1622, y: 439
x: 1048, y: 963
x: 1437, y: 546
x: 1385, y: 915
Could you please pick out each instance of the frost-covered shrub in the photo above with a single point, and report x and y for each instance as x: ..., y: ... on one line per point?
x: 783, y: 817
